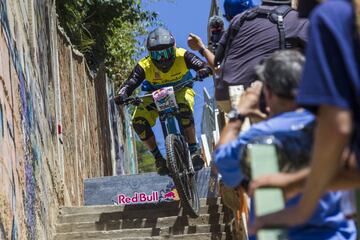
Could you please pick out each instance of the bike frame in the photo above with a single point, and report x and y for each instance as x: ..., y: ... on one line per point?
x: 170, y: 123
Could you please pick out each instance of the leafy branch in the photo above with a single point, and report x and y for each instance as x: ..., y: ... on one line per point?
x: 107, y: 31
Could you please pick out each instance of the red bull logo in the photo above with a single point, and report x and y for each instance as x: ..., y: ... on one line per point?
x: 138, y: 198
x: 169, y: 195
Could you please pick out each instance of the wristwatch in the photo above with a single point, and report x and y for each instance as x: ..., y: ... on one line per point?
x: 233, y: 116
x: 201, y: 51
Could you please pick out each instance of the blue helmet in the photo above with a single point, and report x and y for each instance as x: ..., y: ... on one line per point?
x: 234, y: 7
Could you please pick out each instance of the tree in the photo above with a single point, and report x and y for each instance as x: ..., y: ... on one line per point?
x: 106, y: 31
x: 146, y: 162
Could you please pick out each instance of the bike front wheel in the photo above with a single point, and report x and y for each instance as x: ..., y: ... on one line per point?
x: 178, y: 161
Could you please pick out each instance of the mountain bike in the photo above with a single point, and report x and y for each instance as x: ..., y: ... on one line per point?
x: 178, y: 159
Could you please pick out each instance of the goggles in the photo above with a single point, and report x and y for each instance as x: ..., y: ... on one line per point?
x: 163, y: 55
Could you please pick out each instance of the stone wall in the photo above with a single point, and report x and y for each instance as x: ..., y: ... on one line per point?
x: 57, y: 126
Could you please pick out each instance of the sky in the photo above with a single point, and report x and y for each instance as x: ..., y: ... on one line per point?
x: 182, y: 17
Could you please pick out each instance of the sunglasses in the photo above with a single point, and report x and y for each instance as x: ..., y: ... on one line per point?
x: 165, y: 54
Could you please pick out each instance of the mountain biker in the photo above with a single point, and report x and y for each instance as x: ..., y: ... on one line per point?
x: 165, y: 65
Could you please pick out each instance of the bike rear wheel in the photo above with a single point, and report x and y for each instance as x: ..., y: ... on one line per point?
x: 178, y: 161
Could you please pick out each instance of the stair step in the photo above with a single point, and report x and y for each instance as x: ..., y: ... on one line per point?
x: 199, y: 236
x: 204, y: 203
x: 138, y: 223
x: 89, y: 220
x: 144, y: 233
x: 163, y: 218
x: 142, y: 213
x: 143, y: 222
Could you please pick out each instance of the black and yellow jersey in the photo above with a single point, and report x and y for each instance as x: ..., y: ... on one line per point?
x: 146, y: 70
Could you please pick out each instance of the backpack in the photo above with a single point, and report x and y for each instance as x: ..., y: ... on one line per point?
x: 275, y: 16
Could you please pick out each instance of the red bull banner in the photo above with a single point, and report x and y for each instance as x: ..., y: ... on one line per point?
x: 144, y: 188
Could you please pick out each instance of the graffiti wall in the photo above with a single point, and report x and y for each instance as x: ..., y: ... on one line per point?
x: 57, y: 126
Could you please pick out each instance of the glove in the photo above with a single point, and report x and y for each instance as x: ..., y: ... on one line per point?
x: 122, y: 96
x: 203, y: 73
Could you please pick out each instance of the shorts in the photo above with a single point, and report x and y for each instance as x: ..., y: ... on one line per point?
x: 221, y: 90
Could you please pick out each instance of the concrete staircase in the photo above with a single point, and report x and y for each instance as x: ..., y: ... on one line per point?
x: 144, y: 221
x: 106, y: 216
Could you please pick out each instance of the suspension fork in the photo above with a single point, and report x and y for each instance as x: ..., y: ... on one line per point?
x: 180, y: 126
x: 168, y: 125
x: 164, y: 128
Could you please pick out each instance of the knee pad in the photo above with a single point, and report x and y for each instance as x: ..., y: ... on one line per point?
x: 142, y: 128
x: 186, y: 115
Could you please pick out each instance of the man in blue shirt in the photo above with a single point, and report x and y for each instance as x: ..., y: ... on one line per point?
x: 290, y: 125
x: 331, y: 88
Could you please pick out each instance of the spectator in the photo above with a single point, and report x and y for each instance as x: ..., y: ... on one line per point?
x: 290, y: 126
x: 216, y: 27
x: 216, y: 30
x: 331, y: 88
x: 251, y: 37
x: 216, y: 23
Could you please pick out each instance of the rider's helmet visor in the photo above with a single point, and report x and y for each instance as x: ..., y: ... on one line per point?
x: 163, y: 55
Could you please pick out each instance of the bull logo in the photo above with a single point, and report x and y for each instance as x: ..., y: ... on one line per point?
x: 169, y: 194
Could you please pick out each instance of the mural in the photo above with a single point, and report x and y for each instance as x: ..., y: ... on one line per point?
x: 46, y: 92
x: 27, y: 129
x: 1, y: 122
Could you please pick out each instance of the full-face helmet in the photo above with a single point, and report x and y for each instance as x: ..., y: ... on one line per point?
x: 161, y: 46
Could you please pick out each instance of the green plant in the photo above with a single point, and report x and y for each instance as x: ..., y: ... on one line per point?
x: 124, y: 48
x: 146, y: 162
x: 106, y: 31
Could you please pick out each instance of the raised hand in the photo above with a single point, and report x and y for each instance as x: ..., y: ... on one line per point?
x: 195, y: 42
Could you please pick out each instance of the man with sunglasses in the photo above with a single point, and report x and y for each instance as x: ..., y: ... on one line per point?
x: 166, y: 65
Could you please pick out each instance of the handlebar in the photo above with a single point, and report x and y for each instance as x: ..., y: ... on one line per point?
x: 138, y: 99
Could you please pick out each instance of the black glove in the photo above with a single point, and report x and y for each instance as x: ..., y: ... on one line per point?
x: 203, y: 73
x: 122, y: 96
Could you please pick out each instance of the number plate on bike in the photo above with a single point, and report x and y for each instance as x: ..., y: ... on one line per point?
x: 164, y: 98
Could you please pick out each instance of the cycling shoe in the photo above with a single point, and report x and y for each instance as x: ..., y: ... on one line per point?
x: 161, y: 167
x: 198, y: 162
